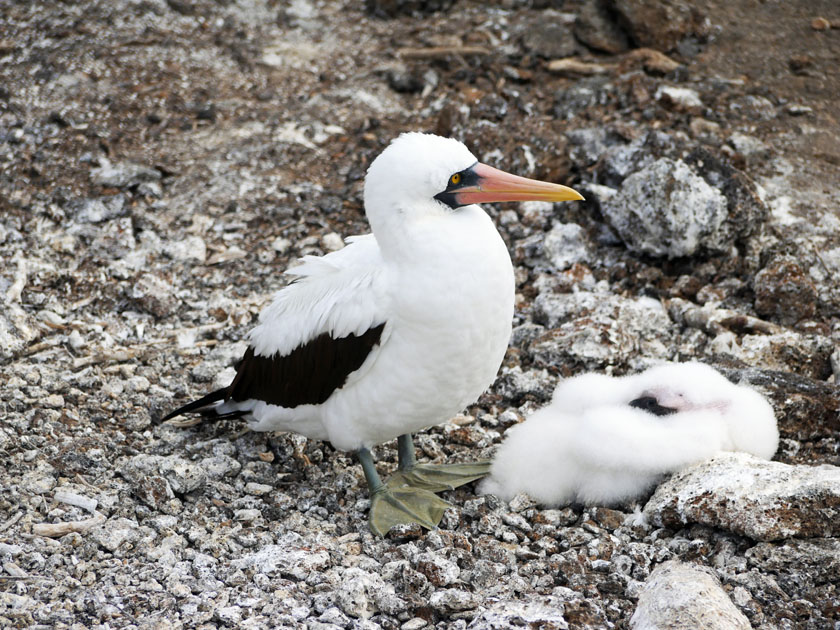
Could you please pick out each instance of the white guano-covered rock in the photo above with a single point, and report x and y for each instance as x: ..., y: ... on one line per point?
x: 291, y: 557
x: 182, y: 475
x: 678, y: 596
x: 451, y: 600
x: 115, y: 532
x: 543, y: 612
x: 596, y: 329
x: 567, y: 244
x: 667, y: 210
x: 680, y: 99
x: 362, y: 594
x: 123, y: 174
x: 752, y: 497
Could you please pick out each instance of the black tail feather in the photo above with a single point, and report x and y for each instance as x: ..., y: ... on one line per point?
x: 199, y: 405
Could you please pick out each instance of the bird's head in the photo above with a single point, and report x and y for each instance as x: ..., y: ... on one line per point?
x: 688, y: 387
x: 422, y: 174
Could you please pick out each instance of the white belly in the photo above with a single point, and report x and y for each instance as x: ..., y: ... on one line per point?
x: 443, y: 349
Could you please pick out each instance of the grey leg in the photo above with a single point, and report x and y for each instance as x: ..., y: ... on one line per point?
x: 374, y: 482
x: 405, y: 450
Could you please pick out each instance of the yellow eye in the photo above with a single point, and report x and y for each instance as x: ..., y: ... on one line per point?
x: 455, y: 179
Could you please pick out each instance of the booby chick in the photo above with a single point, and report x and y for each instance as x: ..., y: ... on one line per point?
x: 606, y: 440
x: 398, y: 331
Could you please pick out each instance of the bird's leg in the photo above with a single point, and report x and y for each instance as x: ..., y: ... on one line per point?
x: 391, y: 506
x: 432, y: 477
x: 405, y: 453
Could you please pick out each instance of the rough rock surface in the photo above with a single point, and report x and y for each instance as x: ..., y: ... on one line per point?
x: 679, y: 595
x: 667, y: 210
x: 161, y: 163
x: 784, y: 292
x: 752, y: 497
x: 540, y: 613
x: 660, y: 25
x: 595, y: 28
x: 808, y: 411
x: 593, y: 328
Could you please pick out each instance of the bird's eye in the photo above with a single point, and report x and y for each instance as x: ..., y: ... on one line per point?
x: 455, y: 179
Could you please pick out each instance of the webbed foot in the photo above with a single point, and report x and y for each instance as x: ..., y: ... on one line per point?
x: 432, y: 477
x: 409, y: 497
x: 439, y: 477
x: 397, y: 506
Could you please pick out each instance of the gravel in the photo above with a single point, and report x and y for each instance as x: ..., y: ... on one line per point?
x: 162, y: 162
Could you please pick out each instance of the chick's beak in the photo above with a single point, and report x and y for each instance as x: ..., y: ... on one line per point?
x: 491, y: 185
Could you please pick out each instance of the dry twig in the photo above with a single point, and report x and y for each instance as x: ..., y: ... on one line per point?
x: 56, y: 530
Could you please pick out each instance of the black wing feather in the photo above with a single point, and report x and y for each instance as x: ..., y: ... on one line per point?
x: 308, y: 375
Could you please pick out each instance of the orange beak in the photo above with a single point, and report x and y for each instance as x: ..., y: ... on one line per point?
x: 491, y: 184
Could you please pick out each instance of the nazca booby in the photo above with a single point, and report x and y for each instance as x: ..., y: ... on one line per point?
x: 398, y: 331
x: 605, y: 440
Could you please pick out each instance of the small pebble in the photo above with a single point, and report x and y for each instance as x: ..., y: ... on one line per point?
x: 332, y: 242
x: 247, y: 515
x: 258, y: 489
x: 820, y: 24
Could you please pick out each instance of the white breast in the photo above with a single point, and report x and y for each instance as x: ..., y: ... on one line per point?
x: 447, y: 333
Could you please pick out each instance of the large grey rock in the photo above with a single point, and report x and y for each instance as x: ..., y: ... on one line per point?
x: 657, y: 24
x: 667, y: 210
x: 593, y: 330
x: 547, y: 37
x: 751, y: 497
x: 747, y: 211
x: 679, y: 596
x: 596, y: 28
x: 784, y: 292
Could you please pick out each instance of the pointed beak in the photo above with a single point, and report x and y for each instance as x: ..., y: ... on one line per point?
x: 491, y: 184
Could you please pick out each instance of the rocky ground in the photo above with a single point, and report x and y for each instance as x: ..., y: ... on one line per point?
x: 164, y: 160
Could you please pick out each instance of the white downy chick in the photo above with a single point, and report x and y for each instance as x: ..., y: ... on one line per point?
x: 606, y: 440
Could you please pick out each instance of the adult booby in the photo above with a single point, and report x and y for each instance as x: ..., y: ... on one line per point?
x: 606, y: 440
x: 398, y: 331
